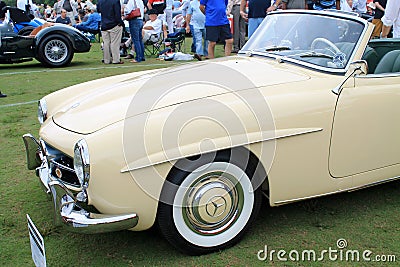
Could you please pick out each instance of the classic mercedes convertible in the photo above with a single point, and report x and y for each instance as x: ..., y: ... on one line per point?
x: 309, y: 107
x: 53, y: 46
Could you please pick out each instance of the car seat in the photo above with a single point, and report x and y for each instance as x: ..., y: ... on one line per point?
x: 389, y: 63
x: 372, y: 58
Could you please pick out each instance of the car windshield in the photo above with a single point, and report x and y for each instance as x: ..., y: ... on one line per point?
x: 312, y: 39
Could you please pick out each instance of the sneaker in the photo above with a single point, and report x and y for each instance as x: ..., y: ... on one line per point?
x: 2, y: 95
x: 129, y: 56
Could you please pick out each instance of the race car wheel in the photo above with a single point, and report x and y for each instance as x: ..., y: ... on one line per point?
x: 208, y: 205
x: 55, y: 51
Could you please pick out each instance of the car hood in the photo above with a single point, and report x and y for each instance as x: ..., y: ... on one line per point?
x: 103, y: 102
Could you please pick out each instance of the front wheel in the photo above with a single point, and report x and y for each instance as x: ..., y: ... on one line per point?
x: 212, y: 204
x: 55, y: 51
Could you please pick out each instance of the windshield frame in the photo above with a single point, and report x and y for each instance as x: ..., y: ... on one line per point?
x: 323, y: 13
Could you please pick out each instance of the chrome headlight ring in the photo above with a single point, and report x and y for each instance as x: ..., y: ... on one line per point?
x: 82, y: 163
x: 42, y: 110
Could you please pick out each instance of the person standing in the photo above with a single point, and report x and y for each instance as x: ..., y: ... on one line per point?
x: 391, y: 18
x: 57, y: 7
x: 71, y: 7
x: 359, y: 6
x: 135, y: 29
x: 257, y: 13
x: 111, y: 29
x: 25, y: 5
x: 196, y: 18
x: 380, y: 6
x: 217, y: 25
x: 168, y: 15
x: 239, y: 25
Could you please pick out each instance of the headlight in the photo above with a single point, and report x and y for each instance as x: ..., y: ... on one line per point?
x: 42, y: 111
x: 82, y: 163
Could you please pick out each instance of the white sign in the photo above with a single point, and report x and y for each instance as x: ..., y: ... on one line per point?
x: 37, y: 244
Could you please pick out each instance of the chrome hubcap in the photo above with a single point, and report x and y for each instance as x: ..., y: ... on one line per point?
x: 212, y: 203
x: 56, y: 50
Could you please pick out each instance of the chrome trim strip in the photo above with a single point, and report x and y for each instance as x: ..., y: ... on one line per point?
x: 373, y: 184
x: 304, y: 198
x: 61, y: 166
x: 379, y: 75
x: 308, y: 130
x: 339, y: 191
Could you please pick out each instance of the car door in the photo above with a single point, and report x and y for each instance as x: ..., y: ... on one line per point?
x: 366, y: 128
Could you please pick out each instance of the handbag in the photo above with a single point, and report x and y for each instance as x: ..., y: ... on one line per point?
x: 135, y: 13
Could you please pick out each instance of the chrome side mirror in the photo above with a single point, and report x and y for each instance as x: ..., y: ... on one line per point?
x: 358, y: 67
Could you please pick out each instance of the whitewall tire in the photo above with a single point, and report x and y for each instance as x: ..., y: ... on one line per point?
x: 211, y: 205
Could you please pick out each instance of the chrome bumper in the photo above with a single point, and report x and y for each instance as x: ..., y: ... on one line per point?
x: 67, y: 211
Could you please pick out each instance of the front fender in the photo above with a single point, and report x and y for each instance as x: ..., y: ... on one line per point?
x: 79, y: 41
x: 209, y: 125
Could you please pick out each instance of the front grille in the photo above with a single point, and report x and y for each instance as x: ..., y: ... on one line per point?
x: 62, y: 166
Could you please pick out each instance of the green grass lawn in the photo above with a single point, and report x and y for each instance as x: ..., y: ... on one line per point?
x: 368, y: 219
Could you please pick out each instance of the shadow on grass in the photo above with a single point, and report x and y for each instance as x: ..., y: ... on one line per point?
x: 313, y: 224
x: 36, y: 65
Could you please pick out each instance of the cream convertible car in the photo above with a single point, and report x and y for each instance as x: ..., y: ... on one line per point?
x: 309, y: 107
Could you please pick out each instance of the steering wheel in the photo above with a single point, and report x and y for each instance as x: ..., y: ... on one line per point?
x: 326, y: 41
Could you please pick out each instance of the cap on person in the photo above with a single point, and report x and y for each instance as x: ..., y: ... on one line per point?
x: 152, y: 11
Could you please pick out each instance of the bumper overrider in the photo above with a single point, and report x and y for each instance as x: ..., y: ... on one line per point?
x: 68, y: 210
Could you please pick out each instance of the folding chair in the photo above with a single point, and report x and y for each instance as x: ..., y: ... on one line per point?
x: 176, y: 40
x: 153, y: 45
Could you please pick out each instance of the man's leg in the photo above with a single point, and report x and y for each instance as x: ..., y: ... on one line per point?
x: 225, y: 34
x: 106, y: 47
x: 168, y: 17
x: 212, y: 33
x: 228, y: 47
x: 211, y: 48
x: 115, y: 35
x: 236, y: 28
x: 193, y: 46
x: 205, y: 44
x: 199, y: 41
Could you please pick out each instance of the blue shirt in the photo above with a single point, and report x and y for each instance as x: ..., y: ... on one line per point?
x: 215, y: 12
x: 92, y: 22
x: 198, y: 18
x: 67, y: 20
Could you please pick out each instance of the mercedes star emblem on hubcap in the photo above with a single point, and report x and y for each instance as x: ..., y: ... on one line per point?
x: 216, y: 206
